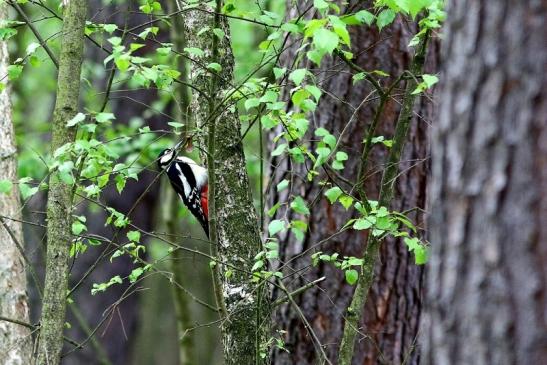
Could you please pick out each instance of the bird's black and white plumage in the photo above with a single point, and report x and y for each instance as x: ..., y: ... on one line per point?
x: 190, y: 181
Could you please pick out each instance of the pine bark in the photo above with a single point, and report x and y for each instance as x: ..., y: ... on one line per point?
x: 487, y: 281
x: 59, y: 204
x: 15, y: 339
x: 232, y: 217
x: 391, y: 314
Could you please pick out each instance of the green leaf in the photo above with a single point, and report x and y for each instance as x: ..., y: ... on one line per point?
x: 272, y: 210
x: 115, y: 41
x: 193, y: 51
x: 134, y: 236
x: 330, y: 140
x: 364, y: 16
x: 14, y: 71
x: 269, y: 96
x: 258, y: 265
x: 214, y: 66
x: 135, y: 274
x: 5, y: 186
x: 321, y: 132
x: 363, y: 223
x: 340, y: 29
x: 104, y: 117
x: 78, y: 227
x: 421, y: 255
x: 219, y: 33
x: 78, y: 118
x: 346, y: 201
x: 320, y: 4
x: 276, y: 226
x: 341, y: 156
x: 283, y: 185
x: 251, y: 103
x: 279, y: 149
x: 297, y: 76
x: 314, y: 90
x: 299, y: 206
x: 385, y: 18
x: 333, y: 194
x: 351, y: 276
x: 110, y: 28
x: 430, y: 80
x: 325, y: 40
x: 268, y: 122
x: 316, y: 56
x: 279, y: 72
x: 122, y: 62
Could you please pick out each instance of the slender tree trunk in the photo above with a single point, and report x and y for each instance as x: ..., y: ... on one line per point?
x: 59, y: 205
x: 232, y: 218
x: 388, y: 331
x: 15, y: 339
x: 487, y: 282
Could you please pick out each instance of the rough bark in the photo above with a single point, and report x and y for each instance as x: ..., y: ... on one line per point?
x: 59, y: 204
x: 15, y: 340
x: 487, y: 282
x: 233, y: 221
x: 392, y: 312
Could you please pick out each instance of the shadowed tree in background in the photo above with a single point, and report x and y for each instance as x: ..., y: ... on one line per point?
x: 487, y: 280
x: 15, y: 339
x: 388, y: 332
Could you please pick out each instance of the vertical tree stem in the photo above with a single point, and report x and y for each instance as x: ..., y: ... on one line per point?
x: 232, y: 218
x: 59, y: 204
x: 15, y: 340
x: 371, y: 252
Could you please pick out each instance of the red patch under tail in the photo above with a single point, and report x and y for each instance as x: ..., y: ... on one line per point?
x: 204, y: 201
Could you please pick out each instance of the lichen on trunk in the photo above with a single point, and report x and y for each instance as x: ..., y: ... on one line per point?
x: 233, y: 220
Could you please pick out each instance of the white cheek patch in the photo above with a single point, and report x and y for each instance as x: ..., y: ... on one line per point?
x: 166, y: 158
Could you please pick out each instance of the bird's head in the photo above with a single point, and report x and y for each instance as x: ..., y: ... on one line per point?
x: 165, y: 158
x: 168, y: 155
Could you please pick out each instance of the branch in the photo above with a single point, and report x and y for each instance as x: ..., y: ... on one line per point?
x: 19, y: 10
x: 296, y: 292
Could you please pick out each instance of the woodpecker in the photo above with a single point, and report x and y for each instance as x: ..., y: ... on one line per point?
x: 190, y: 182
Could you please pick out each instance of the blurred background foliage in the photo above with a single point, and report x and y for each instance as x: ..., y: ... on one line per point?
x: 143, y: 330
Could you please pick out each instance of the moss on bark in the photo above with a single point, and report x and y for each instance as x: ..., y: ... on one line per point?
x: 59, y: 203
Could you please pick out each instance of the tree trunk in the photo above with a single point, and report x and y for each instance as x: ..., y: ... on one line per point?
x: 15, y: 339
x: 232, y: 219
x: 487, y: 282
x: 392, y: 312
x: 59, y: 205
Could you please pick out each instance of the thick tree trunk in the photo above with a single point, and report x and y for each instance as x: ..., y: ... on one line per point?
x: 59, y: 205
x: 392, y: 313
x: 15, y: 339
x: 232, y: 219
x: 487, y: 282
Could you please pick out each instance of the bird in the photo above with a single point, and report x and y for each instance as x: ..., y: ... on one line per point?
x: 190, y: 181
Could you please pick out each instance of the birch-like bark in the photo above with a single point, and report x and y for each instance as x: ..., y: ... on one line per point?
x: 59, y: 204
x: 487, y: 280
x: 15, y: 340
x: 233, y: 220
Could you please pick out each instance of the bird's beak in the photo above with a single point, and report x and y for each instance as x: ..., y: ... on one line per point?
x: 178, y: 145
